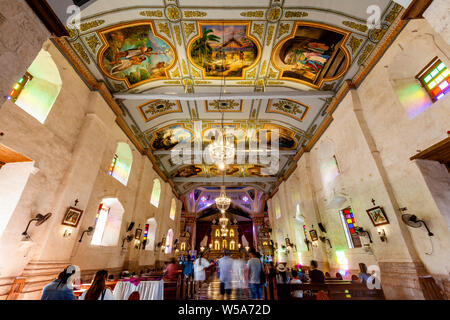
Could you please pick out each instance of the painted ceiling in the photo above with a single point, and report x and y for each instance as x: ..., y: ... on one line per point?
x: 183, y: 47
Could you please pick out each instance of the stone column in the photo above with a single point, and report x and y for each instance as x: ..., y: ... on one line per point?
x: 438, y: 16
x: 399, y: 279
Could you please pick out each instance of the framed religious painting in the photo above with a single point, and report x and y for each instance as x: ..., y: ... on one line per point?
x: 313, y: 234
x: 377, y: 216
x: 137, y: 234
x: 72, y: 217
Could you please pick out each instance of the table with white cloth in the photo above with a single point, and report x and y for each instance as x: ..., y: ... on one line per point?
x: 148, y: 290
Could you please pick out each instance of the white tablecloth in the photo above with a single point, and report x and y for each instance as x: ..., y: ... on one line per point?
x: 148, y: 290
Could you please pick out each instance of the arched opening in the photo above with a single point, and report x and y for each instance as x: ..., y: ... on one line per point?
x: 108, y: 222
x: 156, y: 193
x: 232, y: 245
x: 173, y: 209
x: 151, y: 234
x: 224, y: 244
x: 231, y: 233
x: 37, y: 90
x: 169, y: 241
x: 121, y: 164
x: 216, y: 245
x: 217, y: 233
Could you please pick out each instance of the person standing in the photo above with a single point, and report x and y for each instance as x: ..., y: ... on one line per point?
x: 171, y: 271
x: 315, y: 274
x: 255, y: 269
x: 225, y: 269
x: 200, y: 265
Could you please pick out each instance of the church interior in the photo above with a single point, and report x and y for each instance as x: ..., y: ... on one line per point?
x: 115, y: 148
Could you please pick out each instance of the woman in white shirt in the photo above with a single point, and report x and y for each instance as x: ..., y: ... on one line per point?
x: 98, y: 289
x: 199, y: 271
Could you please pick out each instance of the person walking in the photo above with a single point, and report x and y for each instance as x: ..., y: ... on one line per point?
x: 255, y: 269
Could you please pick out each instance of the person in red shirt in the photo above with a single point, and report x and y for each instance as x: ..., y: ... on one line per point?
x: 171, y: 271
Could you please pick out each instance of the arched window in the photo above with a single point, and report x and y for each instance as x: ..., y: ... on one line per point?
x: 183, y: 246
x: 277, y: 209
x: 173, y: 209
x: 232, y: 245
x: 231, y: 233
x: 37, y: 90
x: 156, y: 193
x: 121, y: 164
x: 217, y: 233
x: 216, y: 245
x: 169, y: 241
x: 151, y: 234
x: 108, y: 222
x: 224, y: 244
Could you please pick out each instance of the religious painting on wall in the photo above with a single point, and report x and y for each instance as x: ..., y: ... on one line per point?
x: 169, y: 137
x: 188, y: 171
x: 258, y: 170
x: 231, y: 170
x: 286, y: 136
x: 72, y: 217
x: 224, y: 49
x: 377, y: 216
x: 312, y: 54
x: 135, y: 54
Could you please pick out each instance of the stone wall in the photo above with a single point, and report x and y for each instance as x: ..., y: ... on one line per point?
x: 373, y: 137
x: 72, y: 152
x: 21, y: 37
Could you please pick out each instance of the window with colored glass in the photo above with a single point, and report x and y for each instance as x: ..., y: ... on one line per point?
x: 349, y: 224
x: 435, y: 78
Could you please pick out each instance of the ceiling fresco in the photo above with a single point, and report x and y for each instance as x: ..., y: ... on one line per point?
x: 187, y: 47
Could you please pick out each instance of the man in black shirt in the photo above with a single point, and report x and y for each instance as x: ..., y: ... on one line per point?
x: 315, y: 274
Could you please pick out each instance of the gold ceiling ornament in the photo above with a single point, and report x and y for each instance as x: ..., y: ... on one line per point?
x: 152, y: 13
x: 92, y: 42
x: 263, y: 69
x: 328, y: 86
x: 172, y: 13
x: 270, y: 35
x: 172, y: 82
x: 194, y: 14
x: 296, y: 14
x: 189, y: 28
x: 274, y: 14
x: 252, y: 74
x: 258, y: 29
x: 377, y: 34
x: 176, y: 28
x: 81, y: 52
x: 355, y: 43
x: 195, y: 73
x: 272, y: 74
x: 158, y: 107
x: 224, y: 104
x: 247, y: 82
x: 164, y: 28
x: 185, y: 70
x: 176, y: 73
x: 223, y: 203
x: 253, y: 14
x: 73, y: 33
x: 356, y: 26
x: 291, y: 108
x: 202, y: 82
x: 275, y: 82
x: 396, y: 9
x: 365, y: 54
x: 92, y: 24
x: 284, y: 28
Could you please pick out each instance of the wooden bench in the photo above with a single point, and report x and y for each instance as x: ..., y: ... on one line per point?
x: 335, y: 290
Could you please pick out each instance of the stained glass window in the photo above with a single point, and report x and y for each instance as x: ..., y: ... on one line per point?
x: 435, y: 78
x: 121, y: 163
x: 277, y: 209
x: 173, y: 209
x: 349, y: 224
x: 100, y: 224
x: 144, y: 241
x: 156, y: 193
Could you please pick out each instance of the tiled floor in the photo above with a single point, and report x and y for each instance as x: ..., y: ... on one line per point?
x: 212, y: 292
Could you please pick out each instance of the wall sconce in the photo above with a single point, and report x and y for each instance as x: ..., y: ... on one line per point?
x: 128, y: 239
x: 323, y: 239
x: 247, y: 248
x: 382, y: 234
x: 88, y: 231
x: 202, y: 249
x: 67, y: 233
x: 363, y: 232
x: 40, y: 219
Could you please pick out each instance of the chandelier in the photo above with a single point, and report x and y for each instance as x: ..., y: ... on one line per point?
x: 221, y: 151
x: 223, y: 202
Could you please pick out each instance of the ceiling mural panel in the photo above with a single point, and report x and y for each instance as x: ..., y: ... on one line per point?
x: 179, y: 47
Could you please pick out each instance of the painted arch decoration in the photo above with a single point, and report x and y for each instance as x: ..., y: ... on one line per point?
x: 135, y: 53
x: 224, y: 49
x: 312, y: 54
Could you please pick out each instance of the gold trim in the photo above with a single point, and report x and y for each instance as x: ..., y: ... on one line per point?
x: 105, y: 46
x: 221, y: 110
x: 346, y: 35
x: 268, y: 110
x: 146, y: 119
x: 225, y: 23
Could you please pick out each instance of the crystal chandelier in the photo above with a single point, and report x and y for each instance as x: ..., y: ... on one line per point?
x: 222, y: 202
x: 221, y: 151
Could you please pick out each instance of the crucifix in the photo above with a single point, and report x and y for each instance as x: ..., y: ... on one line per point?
x: 373, y: 201
x: 76, y: 202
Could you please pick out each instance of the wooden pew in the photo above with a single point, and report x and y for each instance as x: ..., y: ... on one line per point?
x: 336, y: 290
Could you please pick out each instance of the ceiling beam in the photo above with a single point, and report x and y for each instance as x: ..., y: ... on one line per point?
x: 228, y: 96
x: 243, y: 180
x: 280, y: 152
